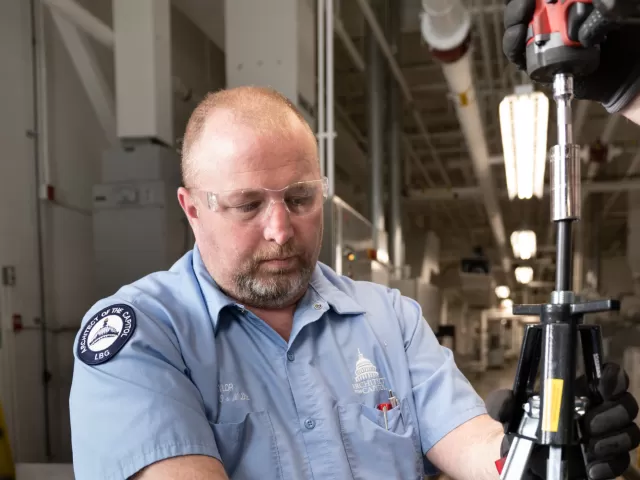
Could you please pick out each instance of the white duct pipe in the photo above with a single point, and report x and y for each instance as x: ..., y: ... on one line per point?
x: 446, y: 27
x: 445, y: 24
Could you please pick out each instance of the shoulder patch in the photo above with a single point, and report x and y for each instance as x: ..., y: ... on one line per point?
x: 105, y: 334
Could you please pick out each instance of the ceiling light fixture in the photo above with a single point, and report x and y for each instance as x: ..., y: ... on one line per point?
x: 502, y: 291
x: 524, y: 117
x: 523, y: 243
x: 524, y: 274
x: 506, y: 304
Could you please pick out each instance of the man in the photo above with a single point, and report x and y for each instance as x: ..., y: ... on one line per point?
x: 249, y: 359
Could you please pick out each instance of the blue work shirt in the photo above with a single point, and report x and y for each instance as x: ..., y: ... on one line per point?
x: 170, y: 365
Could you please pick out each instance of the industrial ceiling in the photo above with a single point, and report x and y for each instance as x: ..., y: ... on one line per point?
x: 450, y: 201
x: 442, y: 191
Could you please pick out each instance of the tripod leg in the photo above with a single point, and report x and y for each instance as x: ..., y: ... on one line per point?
x: 555, y: 465
x: 522, y: 445
x: 526, y: 371
x: 591, y: 340
x: 518, y: 459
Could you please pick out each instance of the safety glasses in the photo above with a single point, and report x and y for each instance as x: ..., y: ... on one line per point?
x: 254, y: 204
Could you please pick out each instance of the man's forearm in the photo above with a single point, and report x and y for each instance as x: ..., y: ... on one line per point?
x: 482, y: 456
x: 632, y: 112
x: 469, y: 452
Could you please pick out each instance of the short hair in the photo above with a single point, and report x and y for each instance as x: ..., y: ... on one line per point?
x: 261, y: 108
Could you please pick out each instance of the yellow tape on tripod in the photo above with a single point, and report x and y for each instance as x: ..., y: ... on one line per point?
x: 551, y: 404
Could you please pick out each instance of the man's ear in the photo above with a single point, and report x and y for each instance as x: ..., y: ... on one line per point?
x: 188, y: 204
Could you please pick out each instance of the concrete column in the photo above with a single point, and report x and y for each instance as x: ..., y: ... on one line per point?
x: 578, y: 257
x: 595, y: 254
x: 144, y: 92
x: 633, y: 234
x: 395, y: 151
x: 463, y: 335
x: 273, y: 44
x: 444, y: 310
x: 375, y: 79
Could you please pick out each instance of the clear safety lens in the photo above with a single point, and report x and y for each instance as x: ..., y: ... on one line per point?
x: 301, y: 198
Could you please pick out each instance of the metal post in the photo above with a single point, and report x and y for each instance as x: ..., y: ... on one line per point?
x: 565, y: 205
x: 595, y: 252
x: 320, y: 122
x: 330, y: 131
x: 37, y: 34
x: 395, y: 150
x: 578, y: 258
x: 376, y: 85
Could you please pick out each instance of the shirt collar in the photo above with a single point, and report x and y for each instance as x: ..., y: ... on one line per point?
x: 323, y: 280
x: 215, y: 298
x: 326, y: 283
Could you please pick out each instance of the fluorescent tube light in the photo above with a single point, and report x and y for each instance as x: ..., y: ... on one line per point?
x: 524, y: 117
x: 524, y: 274
x: 523, y: 243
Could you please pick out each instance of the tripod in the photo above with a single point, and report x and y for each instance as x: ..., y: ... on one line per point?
x: 550, y: 418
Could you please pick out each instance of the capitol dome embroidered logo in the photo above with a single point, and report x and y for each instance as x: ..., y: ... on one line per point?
x: 367, y: 379
x: 106, y: 333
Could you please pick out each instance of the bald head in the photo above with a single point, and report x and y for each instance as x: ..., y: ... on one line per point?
x: 259, y: 109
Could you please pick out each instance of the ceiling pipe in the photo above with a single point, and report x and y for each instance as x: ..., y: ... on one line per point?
x: 446, y: 27
x: 396, y: 71
x: 410, y: 103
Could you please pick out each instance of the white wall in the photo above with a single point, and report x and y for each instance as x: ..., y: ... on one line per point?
x: 18, y: 245
x: 75, y: 144
x: 197, y: 62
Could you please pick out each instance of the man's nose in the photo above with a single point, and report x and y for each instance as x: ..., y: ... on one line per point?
x: 278, y: 226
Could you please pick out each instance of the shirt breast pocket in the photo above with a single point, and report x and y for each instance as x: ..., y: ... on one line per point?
x: 248, y: 449
x: 375, y: 452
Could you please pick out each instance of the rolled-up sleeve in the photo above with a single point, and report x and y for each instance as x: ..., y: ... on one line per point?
x: 138, y: 407
x: 444, y: 398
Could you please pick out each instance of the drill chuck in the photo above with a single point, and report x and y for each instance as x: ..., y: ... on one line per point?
x: 552, y: 40
x: 547, y: 56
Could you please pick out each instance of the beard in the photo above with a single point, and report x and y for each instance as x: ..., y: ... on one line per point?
x: 261, y: 286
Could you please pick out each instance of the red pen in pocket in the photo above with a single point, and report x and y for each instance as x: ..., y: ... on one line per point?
x: 385, y: 407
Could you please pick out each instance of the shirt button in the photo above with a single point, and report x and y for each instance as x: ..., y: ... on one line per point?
x: 309, y: 423
x: 317, y: 305
x: 291, y: 356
